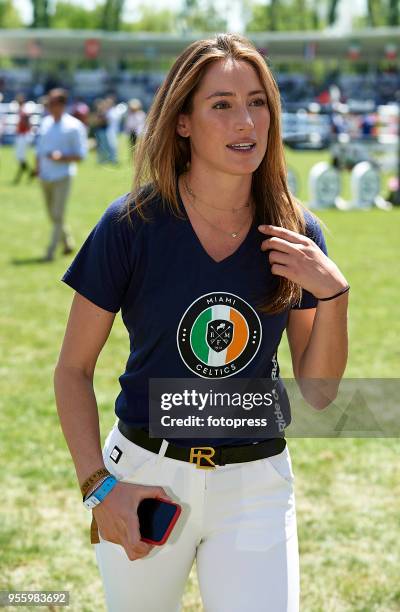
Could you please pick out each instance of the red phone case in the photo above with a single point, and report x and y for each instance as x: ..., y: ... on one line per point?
x: 171, y: 525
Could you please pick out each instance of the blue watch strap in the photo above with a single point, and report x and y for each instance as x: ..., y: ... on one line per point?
x: 99, y: 494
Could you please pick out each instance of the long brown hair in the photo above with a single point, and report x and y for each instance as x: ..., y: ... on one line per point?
x: 161, y: 154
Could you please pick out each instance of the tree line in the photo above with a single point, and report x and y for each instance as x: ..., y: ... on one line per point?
x: 274, y: 15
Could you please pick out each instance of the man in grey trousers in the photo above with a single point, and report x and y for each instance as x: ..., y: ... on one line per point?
x: 62, y: 142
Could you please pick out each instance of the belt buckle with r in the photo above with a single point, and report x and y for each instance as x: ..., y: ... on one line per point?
x: 197, y: 454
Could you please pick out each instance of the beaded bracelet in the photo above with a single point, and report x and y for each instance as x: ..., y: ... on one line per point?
x: 336, y: 294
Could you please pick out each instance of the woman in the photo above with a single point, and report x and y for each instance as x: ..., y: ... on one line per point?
x: 188, y: 242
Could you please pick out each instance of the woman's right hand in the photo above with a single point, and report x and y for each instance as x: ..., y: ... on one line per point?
x: 117, y: 519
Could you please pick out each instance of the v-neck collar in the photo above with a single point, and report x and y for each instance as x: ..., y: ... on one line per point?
x: 227, y: 260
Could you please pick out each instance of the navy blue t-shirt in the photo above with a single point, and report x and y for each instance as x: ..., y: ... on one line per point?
x: 170, y: 291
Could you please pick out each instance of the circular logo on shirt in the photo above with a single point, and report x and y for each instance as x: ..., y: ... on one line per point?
x: 218, y: 335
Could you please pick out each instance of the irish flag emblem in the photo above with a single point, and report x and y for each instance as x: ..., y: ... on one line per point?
x: 218, y: 335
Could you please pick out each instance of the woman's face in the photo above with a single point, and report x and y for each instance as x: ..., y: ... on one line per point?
x: 230, y: 106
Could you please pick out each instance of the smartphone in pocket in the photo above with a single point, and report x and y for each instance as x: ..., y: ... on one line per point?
x: 157, y: 518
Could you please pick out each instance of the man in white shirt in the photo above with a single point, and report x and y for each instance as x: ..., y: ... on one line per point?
x: 62, y: 142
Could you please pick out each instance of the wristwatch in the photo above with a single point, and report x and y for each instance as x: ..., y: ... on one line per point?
x: 100, y: 493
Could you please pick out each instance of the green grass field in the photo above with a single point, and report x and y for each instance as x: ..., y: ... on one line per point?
x: 347, y: 490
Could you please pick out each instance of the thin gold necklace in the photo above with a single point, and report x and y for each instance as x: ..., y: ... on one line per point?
x: 234, y: 210
x: 232, y: 234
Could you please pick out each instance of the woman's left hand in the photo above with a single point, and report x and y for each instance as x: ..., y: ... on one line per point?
x: 300, y: 260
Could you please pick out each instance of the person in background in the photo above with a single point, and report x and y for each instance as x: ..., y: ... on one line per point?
x: 2, y: 121
x: 114, y: 115
x: 62, y: 142
x: 23, y: 133
x: 99, y: 125
x: 367, y: 125
x: 340, y: 129
x: 134, y: 121
x: 81, y: 111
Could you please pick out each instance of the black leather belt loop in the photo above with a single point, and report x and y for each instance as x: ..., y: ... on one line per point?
x: 205, y: 456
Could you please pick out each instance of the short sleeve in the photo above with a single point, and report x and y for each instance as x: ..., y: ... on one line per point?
x: 313, y: 231
x: 101, y: 270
